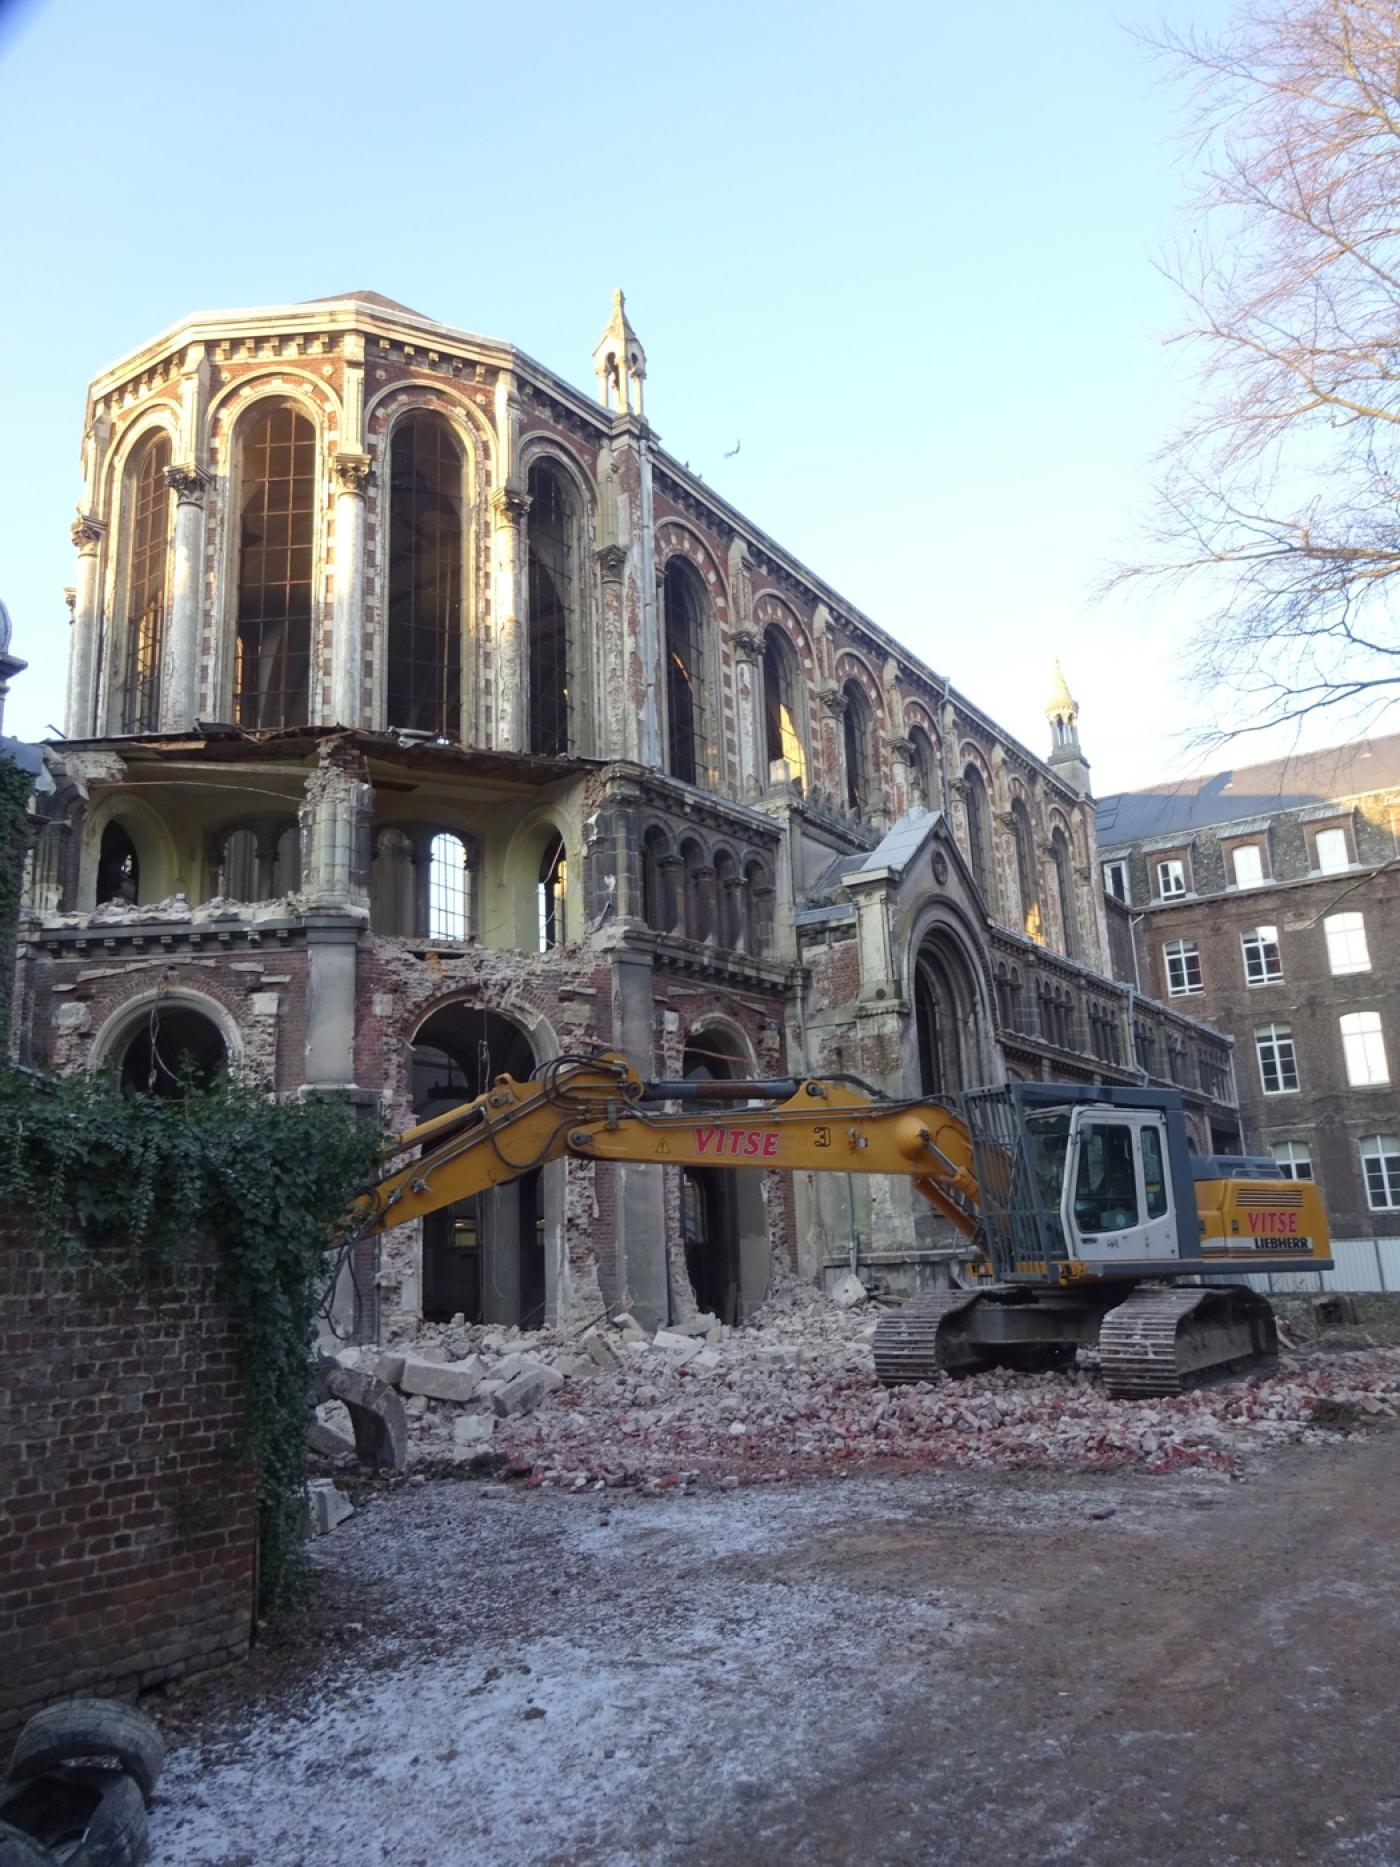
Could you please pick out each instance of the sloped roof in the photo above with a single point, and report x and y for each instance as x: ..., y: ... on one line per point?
x: 1245, y: 791
x: 366, y: 298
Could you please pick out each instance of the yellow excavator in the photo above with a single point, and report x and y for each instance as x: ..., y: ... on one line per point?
x: 1089, y: 1222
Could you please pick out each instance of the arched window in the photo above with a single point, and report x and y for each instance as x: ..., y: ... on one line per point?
x: 857, y: 727
x: 272, y: 671
x: 173, y: 1046
x: 782, y: 708
x: 1023, y: 842
x: 656, y: 905
x: 551, y: 599
x: 449, y: 888
x: 684, y: 606
x: 425, y: 577
x: 921, y: 785
x: 147, y: 553
x: 728, y: 918
x: 1060, y: 856
x: 979, y: 826
x: 945, y: 1020
x: 393, y: 885
x: 553, y: 895
x: 238, y: 871
x: 118, y: 867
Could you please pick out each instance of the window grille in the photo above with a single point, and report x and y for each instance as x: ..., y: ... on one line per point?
x: 148, y: 549
x: 425, y: 578
x: 272, y: 671
x: 551, y: 599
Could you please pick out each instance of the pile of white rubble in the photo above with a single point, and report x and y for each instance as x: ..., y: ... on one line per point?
x: 794, y: 1392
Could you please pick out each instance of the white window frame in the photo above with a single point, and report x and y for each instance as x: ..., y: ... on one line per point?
x: 1264, y: 940
x: 1121, y: 865
x: 1171, y: 869
x: 1293, y: 1159
x: 1363, y: 1044
x: 1384, y: 1149
x: 1320, y: 867
x: 1183, y: 952
x: 449, y: 902
x: 1247, y: 849
x: 1343, y: 943
x: 1273, y: 1039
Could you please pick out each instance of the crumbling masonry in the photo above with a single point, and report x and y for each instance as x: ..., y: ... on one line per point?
x: 426, y: 719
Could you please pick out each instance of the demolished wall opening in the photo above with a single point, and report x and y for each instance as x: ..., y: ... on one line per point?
x: 483, y: 1258
x: 169, y: 1047
x: 724, y: 1216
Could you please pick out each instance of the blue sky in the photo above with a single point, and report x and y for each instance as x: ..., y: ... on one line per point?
x: 902, y: 254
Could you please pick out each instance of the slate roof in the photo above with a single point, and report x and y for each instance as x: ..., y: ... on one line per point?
x: 1243, y: 791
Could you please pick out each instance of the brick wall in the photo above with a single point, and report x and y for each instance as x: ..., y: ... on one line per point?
x: 127, y: 1544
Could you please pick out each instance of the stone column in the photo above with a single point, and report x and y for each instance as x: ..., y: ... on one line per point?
x: 348, y: 612
x: 834, y: 741
x: 902, y: 771
x: 752, y: 723
x: 511, y: 672
x: 84, y: 657
x: 335, y: 826
x: 640, y: 1202
x: 615, y: 730
x: 180, y: 679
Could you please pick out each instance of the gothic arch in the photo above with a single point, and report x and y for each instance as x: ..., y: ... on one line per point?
x: 582, y: 615
x: 951, y: 997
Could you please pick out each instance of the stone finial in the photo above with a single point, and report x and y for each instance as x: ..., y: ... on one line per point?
x: 619, y: 362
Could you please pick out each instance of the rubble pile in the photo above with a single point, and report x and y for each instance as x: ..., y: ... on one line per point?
x: 794, y: 1392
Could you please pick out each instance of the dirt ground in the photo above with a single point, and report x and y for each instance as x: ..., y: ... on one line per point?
x: 941, y: 1667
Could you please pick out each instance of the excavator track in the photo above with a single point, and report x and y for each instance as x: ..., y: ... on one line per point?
x: 1159, y: 1342
x: 924, y: 1338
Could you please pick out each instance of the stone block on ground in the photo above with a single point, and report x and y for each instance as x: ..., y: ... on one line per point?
x: 452, y: 1380
x: 848, y: 1291
x: 602, y: 1353
x: 389, y: 1368
x: 704, y: 1324
x: 517, y: 1364
x: 326, y: 1506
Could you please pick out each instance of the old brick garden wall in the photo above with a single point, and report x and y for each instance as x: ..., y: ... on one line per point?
x: 128, y: 1534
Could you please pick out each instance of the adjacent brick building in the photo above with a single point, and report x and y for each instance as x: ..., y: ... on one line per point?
x: 1267, y: 899
x: 427, y: 719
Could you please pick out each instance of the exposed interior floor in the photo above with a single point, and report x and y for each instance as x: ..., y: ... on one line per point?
x: 961, y: 1668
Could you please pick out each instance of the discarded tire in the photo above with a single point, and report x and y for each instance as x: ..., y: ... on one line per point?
x: 85, y: 1728
x: 18, y: 1849
x: 96, y: 1816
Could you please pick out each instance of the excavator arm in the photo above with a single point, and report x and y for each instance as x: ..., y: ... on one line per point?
x: 599, y: 1108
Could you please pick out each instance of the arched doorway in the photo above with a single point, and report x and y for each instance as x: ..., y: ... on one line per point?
x: 483, y: 1258
x: 946, y: 1019
x: 724, y: 1219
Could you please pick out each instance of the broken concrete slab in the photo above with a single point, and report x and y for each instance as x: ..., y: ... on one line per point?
x: 452, y: 1380
x: 326, y: 1441
x: 524, y: 1392
x: 377, y: 1416
x: 681, y: 1348
x: 473, y: 1429
x: 512, y: 1365
x: 704, y: 1324
x: 389, y: 1368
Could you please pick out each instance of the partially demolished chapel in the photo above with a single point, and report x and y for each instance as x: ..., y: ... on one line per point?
x: 427, y: 720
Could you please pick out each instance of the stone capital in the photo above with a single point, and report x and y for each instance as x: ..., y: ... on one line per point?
x: 188, y: 483
x: 612, y: 561
x: 87, y: 533
x: 509, y: 504
x: 748, y: 644
x: 835, y: 702
x: 903, y: 749
x: 352, y: 472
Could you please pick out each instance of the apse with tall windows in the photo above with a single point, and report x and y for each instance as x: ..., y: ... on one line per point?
x: 551, y: 596
x: 783, y: 708
x: 277, y: 525
x: 147, y: 547
x: 683, y: 607
x: 424, y: 685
